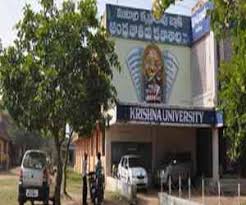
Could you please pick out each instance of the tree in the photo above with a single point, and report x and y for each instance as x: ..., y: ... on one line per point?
x: 67, y: 144
x: 229, y: 20
x: 1, y: 45
x: 159, y: 6
x: 233, y: 101
x: 58, y: 72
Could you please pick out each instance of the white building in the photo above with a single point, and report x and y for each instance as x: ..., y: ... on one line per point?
x: 167, y: 91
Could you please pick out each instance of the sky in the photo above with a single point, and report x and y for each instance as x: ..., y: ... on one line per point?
x: 11, y: 12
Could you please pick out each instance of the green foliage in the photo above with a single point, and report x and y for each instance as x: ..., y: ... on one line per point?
x: 59, y: 69
x: 73, y: 176
x: 229, y: 20
x: 228, y: 17
x: 233, y: 96
x: 159, y: 6
x: 1, y: 45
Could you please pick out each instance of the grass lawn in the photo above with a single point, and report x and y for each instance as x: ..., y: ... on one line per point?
x: 8, y: 191
x: 74, y: 182
x: 9, y: 184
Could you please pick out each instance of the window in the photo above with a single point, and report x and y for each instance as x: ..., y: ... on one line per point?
x: 126, y: 162
x: 136, y: 162
x: 123, y: 162
x: 34, y: 160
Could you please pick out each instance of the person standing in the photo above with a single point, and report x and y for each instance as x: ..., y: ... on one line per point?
x: 99, y: 179
x: 84, y: 174
x: 98, y: 164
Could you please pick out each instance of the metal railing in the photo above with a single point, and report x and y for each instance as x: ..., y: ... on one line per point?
x: 206, y: 191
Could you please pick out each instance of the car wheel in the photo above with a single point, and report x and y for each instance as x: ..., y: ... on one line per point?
x: 21, y: 202
x: 53, y: 200
x: 46, y: 195
x: 46, y: 202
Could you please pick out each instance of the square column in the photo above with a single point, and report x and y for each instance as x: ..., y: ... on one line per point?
x: 215, y: 153
x: 7, y: 155
x: 153, y: 134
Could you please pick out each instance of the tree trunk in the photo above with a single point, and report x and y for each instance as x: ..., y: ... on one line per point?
x: 65, y: 165
x: 59, y: 172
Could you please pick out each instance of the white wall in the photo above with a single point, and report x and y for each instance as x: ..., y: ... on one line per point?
x: 204, y: 72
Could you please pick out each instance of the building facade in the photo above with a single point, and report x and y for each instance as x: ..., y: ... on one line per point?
x: 4, y: 144
x: 4, y: 153
x: 167, y: 92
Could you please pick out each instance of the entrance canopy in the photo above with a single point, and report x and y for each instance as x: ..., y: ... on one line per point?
x: 166, y: 115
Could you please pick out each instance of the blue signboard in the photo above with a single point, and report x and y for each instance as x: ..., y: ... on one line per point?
x: 200, y: 22
x: 164, y: 115
x: 219, y: 119
x: 138, y: 24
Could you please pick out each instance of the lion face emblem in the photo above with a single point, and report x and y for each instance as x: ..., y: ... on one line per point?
x: 153, y: 68
x: 153, y: 73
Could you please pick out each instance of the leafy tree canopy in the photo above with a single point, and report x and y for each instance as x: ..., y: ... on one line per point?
x: 159, y: 6
x: 229, y: 21
x: 58, y: 71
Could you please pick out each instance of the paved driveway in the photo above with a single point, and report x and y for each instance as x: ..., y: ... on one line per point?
x: 149, y: 198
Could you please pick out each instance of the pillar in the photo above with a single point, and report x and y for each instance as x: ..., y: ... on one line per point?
x: 1, y: 153
x: 153, y: 134
x: 108, y: 151
x: 215, y: 153
x: 7, y: 155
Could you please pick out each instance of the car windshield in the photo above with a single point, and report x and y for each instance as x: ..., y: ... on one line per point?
x: 135, y: 162
x: 35, y: 160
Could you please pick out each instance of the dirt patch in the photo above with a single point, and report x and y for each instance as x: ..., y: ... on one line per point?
x: 149, y: 198
x: 110, y: 199
x: 11, y: 174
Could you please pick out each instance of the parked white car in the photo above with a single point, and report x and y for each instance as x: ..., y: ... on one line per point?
x: 131, y: 170
x: 34, y: 182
